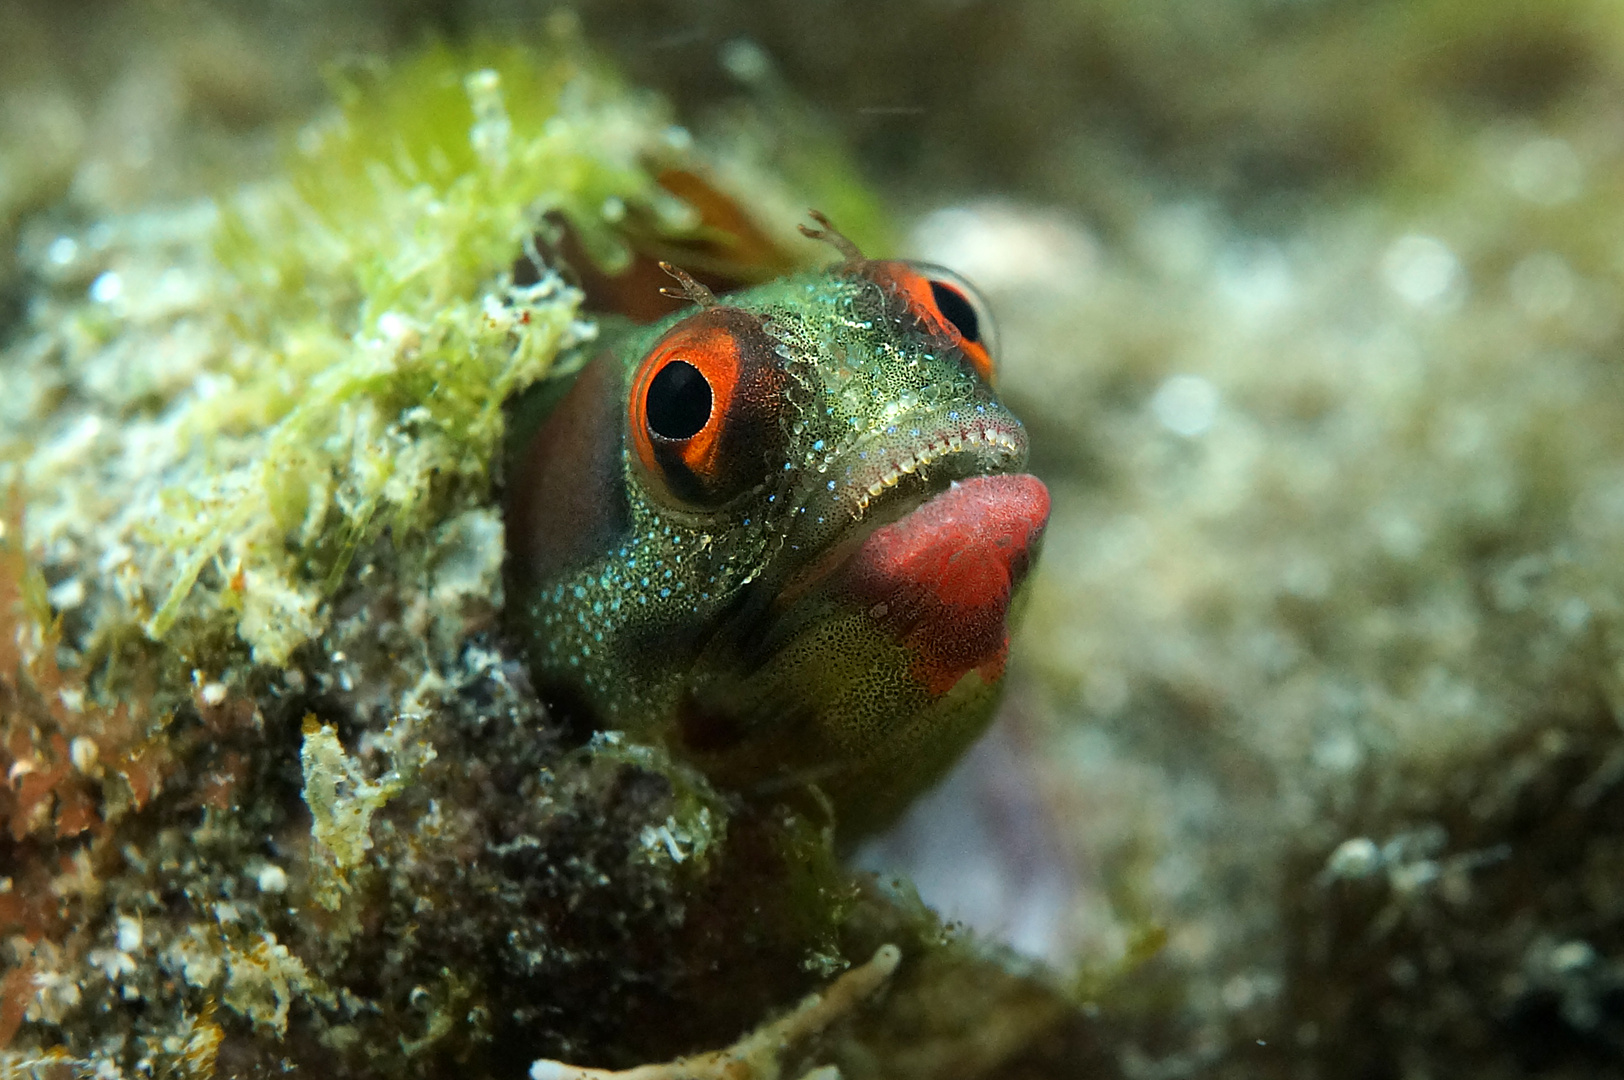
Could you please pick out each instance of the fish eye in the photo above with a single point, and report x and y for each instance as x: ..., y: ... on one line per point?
x: 945, y: 303
x: 679, y: 401
x: 961, y: 306
x: 704, y: 409
x: 957, y: 309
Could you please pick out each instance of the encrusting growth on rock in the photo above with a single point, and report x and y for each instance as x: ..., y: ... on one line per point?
x: 756, y: 1056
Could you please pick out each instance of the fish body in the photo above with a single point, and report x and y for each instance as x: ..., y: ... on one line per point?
x: 781, y: 533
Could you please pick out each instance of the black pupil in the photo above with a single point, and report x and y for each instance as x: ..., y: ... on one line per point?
x: 956, y: 310
x: 679, y: 401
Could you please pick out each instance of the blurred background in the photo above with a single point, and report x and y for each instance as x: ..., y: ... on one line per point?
x: 1313, y: 310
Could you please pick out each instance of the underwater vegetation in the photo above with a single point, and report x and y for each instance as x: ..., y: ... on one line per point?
x: 1311, y: 761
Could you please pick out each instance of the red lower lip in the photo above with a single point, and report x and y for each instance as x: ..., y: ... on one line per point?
x: 940, y: 579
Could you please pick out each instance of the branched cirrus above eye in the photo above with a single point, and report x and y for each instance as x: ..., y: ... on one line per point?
x: 679, y: 401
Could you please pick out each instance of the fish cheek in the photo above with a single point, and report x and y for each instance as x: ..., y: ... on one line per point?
x: 840, y: 704
x: 813, y: 699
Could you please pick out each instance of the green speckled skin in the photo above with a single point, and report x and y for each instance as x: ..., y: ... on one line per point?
x: 716, y: 630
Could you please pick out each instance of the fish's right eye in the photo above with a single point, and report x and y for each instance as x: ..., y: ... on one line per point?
x: 704, y: 408
x: 679, y: 401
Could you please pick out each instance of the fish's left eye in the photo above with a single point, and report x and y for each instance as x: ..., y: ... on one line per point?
x: 704, y: 408
x: 947, y: 304
x: 957, y: 309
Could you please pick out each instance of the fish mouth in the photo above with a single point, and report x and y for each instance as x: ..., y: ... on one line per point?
x: 886, y: 479
x: 892, y: 475
x: 940, y: 579
x: 921, y: 545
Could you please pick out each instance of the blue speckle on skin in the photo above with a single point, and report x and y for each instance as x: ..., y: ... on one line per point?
x: 580, y: 592
x: 664, y: 593
x: 831, y: 488
x: 818, y: 445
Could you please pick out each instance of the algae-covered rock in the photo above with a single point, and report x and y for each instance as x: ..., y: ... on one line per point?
x: 281, y: 797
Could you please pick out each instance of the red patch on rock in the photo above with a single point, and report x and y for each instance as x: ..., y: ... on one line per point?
x: 941, y: 578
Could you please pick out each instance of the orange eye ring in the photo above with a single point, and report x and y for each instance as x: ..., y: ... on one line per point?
x: 699, y: 403
x: 947, y: 304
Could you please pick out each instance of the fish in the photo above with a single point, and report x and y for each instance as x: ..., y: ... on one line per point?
x: 781, y: 532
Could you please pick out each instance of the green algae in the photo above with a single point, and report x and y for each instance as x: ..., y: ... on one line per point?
x: 342, y: 802
x: 375, y: 341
